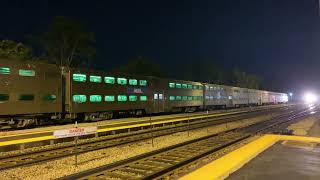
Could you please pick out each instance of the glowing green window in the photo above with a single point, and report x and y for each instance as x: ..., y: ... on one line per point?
x: 133, y: 98
x: 171, y: 98
x: 96, y: 79
x: 26, y: 97
x: 122, y: 81
x: 133, y: 82
x: 184, y: 98
x: 171, y: 85
x: 25, y: 72
x: 189, y: 86
x: 109, y: 80
x: 143, y: 98
x: 4, y: 97
x: 122, y: 98
x: 178, y: 98
x: 49, y: 97
x: 195, y: 87
x: 190, y: 98
x: 143, y: 82
x: 4, y: 70
x: 200, y: 87
x: 79, y: 98
x: 79, y: 77
x: 95, y: 98
x: 178, y: 85
x: 184, y: 86
x: 109, y: 98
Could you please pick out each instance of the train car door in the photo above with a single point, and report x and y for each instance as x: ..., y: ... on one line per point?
x: 158, y: 102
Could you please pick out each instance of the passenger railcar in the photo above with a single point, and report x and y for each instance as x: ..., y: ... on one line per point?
x: 32, y: 91
x: 216, y: 96
x: 28, y: 92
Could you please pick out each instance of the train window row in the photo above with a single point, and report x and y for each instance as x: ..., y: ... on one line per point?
x: 184, y: 86
x: 28, y: 97
x: 108, y: 80
x: 215, y: 97
x: 22, y: 72
x: 184, y: 98
x: 213, y: 88
x: 80, y: 98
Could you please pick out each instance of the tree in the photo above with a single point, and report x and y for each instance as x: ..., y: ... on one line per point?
x: 243, y: 79
x: 142, y: 66
x: 12, y: 50
x: 68, y: 43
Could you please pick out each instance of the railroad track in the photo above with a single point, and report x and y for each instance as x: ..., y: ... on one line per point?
x: 157, y: 163
x: 18, y: 160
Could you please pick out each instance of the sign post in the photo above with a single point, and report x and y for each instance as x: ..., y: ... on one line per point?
x: 75, y: 132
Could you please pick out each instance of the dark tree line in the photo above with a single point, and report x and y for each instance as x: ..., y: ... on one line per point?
x: 67, y: 42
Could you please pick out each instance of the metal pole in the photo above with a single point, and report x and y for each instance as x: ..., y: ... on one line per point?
x: 207, y: 121
x: 188, y: 126
x: 76, y: 147
x: 151, y: 131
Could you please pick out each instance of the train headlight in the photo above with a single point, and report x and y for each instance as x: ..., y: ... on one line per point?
x: 310, y: 98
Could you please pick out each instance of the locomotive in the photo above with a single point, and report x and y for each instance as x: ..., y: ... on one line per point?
x: 33, y: 92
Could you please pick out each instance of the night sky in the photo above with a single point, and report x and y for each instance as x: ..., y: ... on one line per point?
x: 276, y: 39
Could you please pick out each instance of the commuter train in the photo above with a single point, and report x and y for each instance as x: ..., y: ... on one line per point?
x: 33, y: 92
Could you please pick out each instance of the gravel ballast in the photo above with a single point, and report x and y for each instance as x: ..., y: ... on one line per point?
x: 62, y: 167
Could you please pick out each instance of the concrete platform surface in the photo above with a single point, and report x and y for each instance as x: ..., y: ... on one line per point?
x: 292, y: 160
x: 299, y: 158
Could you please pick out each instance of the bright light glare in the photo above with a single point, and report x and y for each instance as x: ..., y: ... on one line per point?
x: 310, y: 98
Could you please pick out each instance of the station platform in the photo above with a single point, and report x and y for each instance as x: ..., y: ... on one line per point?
x: 20, y: 139
x: 268, y: 157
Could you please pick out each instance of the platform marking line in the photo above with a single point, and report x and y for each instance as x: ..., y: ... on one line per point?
x: 126, y: 122
x: 42, y: 138
x: 224, y: 166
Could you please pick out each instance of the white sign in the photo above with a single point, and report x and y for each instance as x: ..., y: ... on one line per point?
x: 80, y: 131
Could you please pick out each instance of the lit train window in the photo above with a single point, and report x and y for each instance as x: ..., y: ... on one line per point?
x: 178, y: 98
x: 200, y: 87
x: 96, y: 79
x: 122, y: 81
x: 189, y: 98
x: 133, y: 98
x: 79, y: 77
x: 207, y: 97
x: 178, y: 85
x: 4, y: 70
x: 171, y: 98
x: 195, y: 87
x: 211, y: 88
x: 133, y: 82
x: 79, y: 98
x: 184, y: 86
x: 184, y: 98
x: 122, y: 98
x: 143, y: 82
x: 95, y: 98
x: 143, y: 98
x: 25, y: 72
x: 171, y: 85
x: 189, y: 86
x: 109, y: 80
x: 26, y: 97
x: 195, y: 97
x: 4, y: 97
x: 49, y: 97
x: 109, y: 98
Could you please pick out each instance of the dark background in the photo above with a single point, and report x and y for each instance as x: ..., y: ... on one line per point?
x: 275, y: 39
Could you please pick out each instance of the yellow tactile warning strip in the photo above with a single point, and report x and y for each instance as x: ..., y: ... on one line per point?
x: 44, y: 138
x: 224, y: 166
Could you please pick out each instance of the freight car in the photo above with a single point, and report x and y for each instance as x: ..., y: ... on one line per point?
x: 31, y: 93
